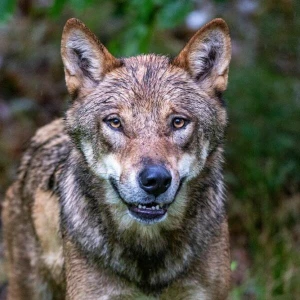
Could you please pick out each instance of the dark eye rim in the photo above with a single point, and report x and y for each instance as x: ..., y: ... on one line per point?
x: 108, y: 121
x: 186, y: 122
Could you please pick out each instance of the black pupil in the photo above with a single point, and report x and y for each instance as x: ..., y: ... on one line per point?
x: 178, y: 122
x: 115, y: 122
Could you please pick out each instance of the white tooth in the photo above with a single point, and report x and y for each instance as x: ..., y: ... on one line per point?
x: 140, y: 206
x: 144, y: 207
x: 153, y: 207
x: 157, y: 207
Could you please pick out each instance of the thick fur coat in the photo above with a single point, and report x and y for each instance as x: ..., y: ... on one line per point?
x: 124, y: 198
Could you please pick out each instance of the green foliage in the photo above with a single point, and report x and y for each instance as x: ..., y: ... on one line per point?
x: 57, y: 7
x: 7, y: 7
x: 266, y: 118
x: 280, y: 32
x: 233, y: 265
x: 173, y: 13
x: 77, y: 5
x: 263, y: 166
x: 140, y: 18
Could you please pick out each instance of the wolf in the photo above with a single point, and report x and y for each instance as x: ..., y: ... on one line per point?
x: 123, y: 198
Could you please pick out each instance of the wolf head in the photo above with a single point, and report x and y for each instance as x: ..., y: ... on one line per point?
x: 146, y: 125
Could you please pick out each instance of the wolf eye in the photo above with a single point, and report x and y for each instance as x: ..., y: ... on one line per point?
x: 115, y: 123
x: 179, y: 123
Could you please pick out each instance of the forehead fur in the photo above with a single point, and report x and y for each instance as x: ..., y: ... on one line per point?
x: 146, y: 68
x: 149, y: 78
x: 148, y: 74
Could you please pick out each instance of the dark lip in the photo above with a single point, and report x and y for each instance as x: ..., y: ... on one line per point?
x: 146, y: 213
x: 114, y: 185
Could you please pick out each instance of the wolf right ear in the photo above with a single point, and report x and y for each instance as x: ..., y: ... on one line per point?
x: 207, y: 55
x: 85, y: 59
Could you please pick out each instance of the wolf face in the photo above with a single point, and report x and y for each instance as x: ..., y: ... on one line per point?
x: 146, y: 125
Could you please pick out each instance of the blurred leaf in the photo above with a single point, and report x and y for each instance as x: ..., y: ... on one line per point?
x: 80, y: 4
x: 142, y: 9
x: 233, y: 265
x: 7, y: 8
x: 57, y: 7
x: 173, y: 13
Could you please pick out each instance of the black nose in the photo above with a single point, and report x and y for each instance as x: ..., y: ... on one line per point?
x: 155, y: 180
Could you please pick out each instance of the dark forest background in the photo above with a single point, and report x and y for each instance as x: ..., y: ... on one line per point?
x: 263, y: 140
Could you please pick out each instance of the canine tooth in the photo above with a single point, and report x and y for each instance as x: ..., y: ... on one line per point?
x: 157, y: 207
x: 140, y: 206
x: 153, y: 207
x: 144, y: 207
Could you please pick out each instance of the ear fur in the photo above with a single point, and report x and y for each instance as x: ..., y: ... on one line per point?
x: 85, y: 59
x: 207, y: 55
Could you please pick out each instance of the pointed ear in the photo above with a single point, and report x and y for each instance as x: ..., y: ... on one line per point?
x: 207, y: 55
x: 85, y: 59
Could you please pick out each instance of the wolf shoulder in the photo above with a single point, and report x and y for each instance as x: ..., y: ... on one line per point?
x: 44, y: 158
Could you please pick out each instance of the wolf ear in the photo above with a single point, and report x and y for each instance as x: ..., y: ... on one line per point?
x: 207, y: 55
x: 85, y: 59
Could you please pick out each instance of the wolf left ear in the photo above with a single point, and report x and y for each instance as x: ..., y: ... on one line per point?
x: 85, y: 59
x: 207, y: 55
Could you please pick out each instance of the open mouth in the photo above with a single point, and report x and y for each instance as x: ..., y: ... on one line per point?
x: 150, y: 211
x: 145, y: 212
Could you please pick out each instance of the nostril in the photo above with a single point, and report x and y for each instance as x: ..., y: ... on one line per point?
x: 167, y: 182
x: 149, y: 182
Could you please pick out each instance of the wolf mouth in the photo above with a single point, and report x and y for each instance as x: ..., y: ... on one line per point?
x: 152, y: 211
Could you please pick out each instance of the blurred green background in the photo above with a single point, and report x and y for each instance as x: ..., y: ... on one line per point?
x: 263, y: 140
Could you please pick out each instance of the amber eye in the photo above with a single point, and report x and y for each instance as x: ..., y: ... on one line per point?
x: 179, y: 123
x: 114, y: 123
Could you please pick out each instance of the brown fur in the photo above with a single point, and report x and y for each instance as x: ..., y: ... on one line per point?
x: 67, y: 227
